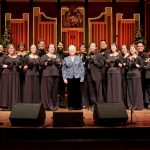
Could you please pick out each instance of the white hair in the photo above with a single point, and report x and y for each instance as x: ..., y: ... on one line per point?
x: 72, y: 48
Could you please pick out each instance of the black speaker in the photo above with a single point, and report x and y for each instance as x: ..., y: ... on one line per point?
x: 68, y: 119
x: 26, y: 114
x: 110, y: 114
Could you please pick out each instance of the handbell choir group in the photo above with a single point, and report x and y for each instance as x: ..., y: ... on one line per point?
x: 98, y: 76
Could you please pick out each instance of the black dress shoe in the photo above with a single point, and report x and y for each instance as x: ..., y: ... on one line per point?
x: 146, y: 105
x: 70, y: 108
x: 62, y: 106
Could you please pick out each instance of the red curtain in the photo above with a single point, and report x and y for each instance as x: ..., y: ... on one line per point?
x: 98, y: 32
x: 46, y: 32
x: 75, y: 37
x: 126, y: 32
x: 20, y: 32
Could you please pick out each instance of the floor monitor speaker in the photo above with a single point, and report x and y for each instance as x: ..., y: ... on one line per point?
x: 110, y: 114
x: 68, y: 119
x: 26, y: 114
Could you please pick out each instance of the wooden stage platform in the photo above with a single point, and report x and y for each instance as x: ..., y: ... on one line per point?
x: 135, y: 135
x: 140, y: 119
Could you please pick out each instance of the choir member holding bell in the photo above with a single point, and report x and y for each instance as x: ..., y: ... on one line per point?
x: 32, y: 80
x: 134, y: 86
x: 95, y: 65
x: 10, y: 78
x: 114, y: 64
x: 50, y: 64
x: 125, y: 54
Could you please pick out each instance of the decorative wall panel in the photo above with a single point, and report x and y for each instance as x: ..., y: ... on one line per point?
x: 72, y: 26
x: 126, y: 29
x: 100, y: 28
x: 44, y: 28
x: 19, y: 29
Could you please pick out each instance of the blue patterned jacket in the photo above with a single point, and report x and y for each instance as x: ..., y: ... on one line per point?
x: 72, y: 69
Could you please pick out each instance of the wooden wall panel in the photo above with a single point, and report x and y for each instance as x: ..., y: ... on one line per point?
x: 126, y: 29
x: 44, y: 28
x: 19, y: 29
x: 100, y: 28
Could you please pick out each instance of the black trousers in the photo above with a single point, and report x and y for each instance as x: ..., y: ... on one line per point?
x: 74, y: 93
x: 61, y: 92
x: 148, y: 89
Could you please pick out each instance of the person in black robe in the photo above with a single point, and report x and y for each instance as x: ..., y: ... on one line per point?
x: 40, y: 52
x: 1, y: 55
x: 105, y: 51
x: 41, y: 48
x: 134, y: 85
x: 114, y: 64
x: 144, y: 56
x: 62, y: 55
x: 146, y: 67
x: 10, y: 78
x: 1, y: 66
x: 95, y: 65
x: 125, y: 54
x: 22, y: 52
x: 32, y: 79
x: 50, y: 64
x: 84, y: 86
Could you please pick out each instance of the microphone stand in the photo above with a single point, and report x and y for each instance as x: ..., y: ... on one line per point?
x: 132, y: 111
x: 1, y: 123
x: 132, y: 115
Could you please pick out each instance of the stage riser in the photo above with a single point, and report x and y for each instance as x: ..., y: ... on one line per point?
x: 73, y: 134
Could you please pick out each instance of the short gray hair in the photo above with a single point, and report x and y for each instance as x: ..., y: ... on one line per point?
x: 72, y: 47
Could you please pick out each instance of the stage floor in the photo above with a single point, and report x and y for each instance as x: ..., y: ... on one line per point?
x: 139, y: 118
x: 134, y: 135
